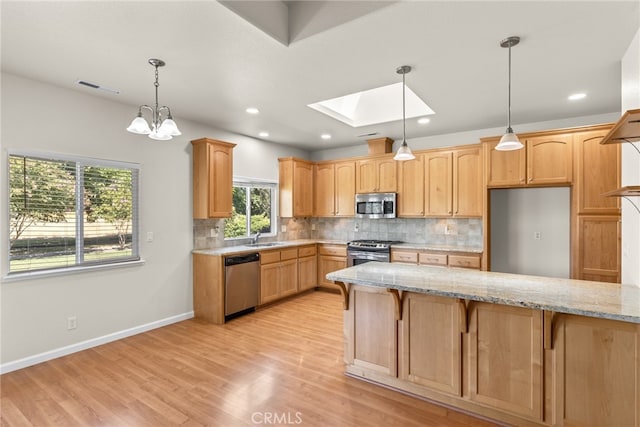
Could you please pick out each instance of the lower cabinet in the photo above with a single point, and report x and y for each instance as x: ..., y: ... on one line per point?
x: 596, y: 372
x: 505, y: 358
x: 307, y: 268
x: 430, y: 343
x: 331, y: 258
x: 451, y: 259
x: 522, y: 366
x: 278, y: 274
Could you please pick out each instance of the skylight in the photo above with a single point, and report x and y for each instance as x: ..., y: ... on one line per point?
x: 373, y: 106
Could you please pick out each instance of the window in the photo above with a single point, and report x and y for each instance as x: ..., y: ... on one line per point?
x: 253, y: 210
x: 71, y: 212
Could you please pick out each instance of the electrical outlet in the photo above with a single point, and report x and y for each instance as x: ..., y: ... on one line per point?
x: 72, y: 322
x: 313, y: 227
x: 537, y: 235
x: 283, y: 229
x: 448, y: 229
x: 356, y: 228
x: 149, y: 236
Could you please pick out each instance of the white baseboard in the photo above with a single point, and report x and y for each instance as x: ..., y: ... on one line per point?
x: 93, y: 342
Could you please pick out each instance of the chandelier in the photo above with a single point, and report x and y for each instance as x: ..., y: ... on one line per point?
x: 161, y: 129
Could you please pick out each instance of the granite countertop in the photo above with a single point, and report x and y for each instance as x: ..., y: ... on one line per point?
x: 593, y: 299
x: 240, y: 249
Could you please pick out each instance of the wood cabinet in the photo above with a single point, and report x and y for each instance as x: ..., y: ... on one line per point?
x: 454, y: 182
x: 278, y: 274
x: 371, y: 321
x: 596, y: 372
x: 307, y: 267
x: 422, y: 257
x: 411, y: 183
x: 330, y: 258
x: 208, y: 288
x: 598, y: 251
x: 546, y: 159
x: 430, y: 343
x: 212, y: 178
x: 335, y: 189
x: 505, y: 358
x: 376, y: 175
x: 296, y: 187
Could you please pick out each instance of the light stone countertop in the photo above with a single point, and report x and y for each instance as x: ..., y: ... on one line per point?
x: 240, y: 249
x: 593, y: 299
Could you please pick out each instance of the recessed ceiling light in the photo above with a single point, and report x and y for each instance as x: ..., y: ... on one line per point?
x: 252, y: 110
x: 577, y: 96
x: 325, y: 136
x: 424, y: 120
x: 263, y: 134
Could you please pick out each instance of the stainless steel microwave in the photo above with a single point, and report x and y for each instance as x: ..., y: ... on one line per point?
x: 376, y: 205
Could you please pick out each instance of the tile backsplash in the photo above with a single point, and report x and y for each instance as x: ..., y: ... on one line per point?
x: 209, y: 233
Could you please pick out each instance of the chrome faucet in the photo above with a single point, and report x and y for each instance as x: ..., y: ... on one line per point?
x: 254, y: 239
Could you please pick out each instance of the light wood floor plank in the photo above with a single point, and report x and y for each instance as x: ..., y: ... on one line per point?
x: 283, y: 362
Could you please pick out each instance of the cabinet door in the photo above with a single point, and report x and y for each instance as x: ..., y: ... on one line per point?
x: 288, y: 278
x: 599, y: 248
x: 366, y: 176
x: 329, y: 264
x: 387, y: 179
x: 512, y: 384
x: 307, y: 273
x: 467, y: 182
x: 550, y: 159
x: 324, y: 194
x: 597, y: 172
x: 411, y: 187
x: 430, y: 343
x: 269, y: 282
x: 372, y: 330
x: 505, y: 168
x: 596, y: 372
x: 345, y: 189
x: 212, y: 178
x: 302, y: 189
x: 438, y: 174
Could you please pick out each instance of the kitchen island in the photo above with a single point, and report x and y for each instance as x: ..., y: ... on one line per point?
x: 521, y: 349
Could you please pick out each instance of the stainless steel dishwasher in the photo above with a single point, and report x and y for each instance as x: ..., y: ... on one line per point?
x: 242, y: 283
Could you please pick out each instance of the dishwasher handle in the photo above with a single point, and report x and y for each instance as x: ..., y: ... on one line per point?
x: 241, y: 259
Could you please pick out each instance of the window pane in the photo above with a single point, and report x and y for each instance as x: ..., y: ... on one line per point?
x: 108, y: 213
x: 42, y: 214
x: 236, y: 226
x: 260, y: 210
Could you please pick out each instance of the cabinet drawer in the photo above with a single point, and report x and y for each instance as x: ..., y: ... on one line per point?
x: 404, y: 256
x: 306, y: 251
x: 287, y: 254
x: 333, y: 250
x: 465, y: 261
x: 432, y: 259
x: 269, y: 257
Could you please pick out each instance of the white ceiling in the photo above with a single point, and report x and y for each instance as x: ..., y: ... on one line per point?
x: 218, y: 63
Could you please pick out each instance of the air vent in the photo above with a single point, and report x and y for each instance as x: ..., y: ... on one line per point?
x: 96, y: 86
x: 364, y: 135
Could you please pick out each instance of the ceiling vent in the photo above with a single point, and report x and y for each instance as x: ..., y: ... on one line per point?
x: 96, y: 86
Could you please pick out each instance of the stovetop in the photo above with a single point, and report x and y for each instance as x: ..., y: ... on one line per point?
x: 371, y: 244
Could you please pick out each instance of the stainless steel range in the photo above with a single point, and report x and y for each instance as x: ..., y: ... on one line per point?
x: 361, y: 251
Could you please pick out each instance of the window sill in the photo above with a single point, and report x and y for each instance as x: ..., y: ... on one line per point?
x: 16, y: 277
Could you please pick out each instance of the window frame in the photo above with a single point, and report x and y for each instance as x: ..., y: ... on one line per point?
x: 261, y: 183
x: 80, y: 162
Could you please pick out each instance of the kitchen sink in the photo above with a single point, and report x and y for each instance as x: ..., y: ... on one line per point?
x: 264, y: 245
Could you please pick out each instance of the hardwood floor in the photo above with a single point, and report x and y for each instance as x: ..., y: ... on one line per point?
x: 278, y: 366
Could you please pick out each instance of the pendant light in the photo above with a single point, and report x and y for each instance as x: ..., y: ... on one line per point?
x: 509, y: 140
x: 404, y: 152
x: 161, y: 129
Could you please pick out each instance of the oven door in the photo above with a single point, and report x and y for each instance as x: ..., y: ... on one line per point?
x: 356, y: 257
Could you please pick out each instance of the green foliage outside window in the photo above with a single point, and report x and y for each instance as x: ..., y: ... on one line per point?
x: 259, y: 211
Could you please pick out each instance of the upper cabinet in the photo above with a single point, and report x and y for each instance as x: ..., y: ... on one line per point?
x: 411, y: 184
x: 546, y: 160
x: 335, y: 189
x: 377, y: 175
x: 296, y: 187
x: 212, y: 178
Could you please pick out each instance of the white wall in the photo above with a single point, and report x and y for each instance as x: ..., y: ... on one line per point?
x: 516, y: 214
x: 41, y: 117
x: 468, y: 137
x: 631, y: 167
